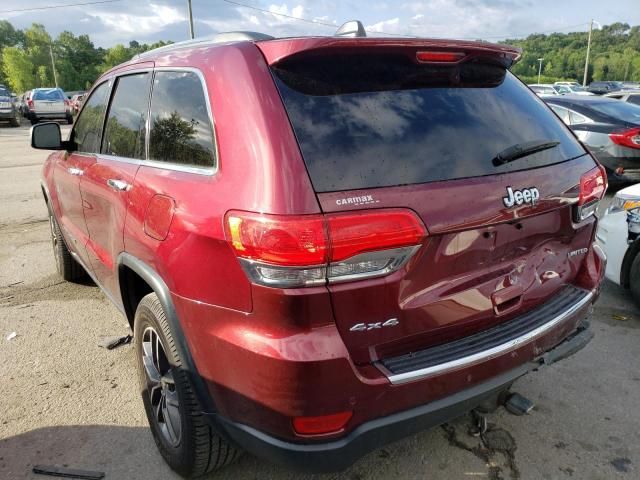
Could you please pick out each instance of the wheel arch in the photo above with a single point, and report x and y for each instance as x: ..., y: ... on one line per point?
x: 627, y: 261
x: 128, y: 265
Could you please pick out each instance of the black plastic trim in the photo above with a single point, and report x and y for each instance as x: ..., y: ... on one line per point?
x: 160, y: 288
x: 336, y: 455
x: 487, y: 339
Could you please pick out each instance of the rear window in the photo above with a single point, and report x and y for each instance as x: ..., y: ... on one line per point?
x: 48, y: 95
x: 376, y: 121
x: 4, y: 92
x: 624, y: 111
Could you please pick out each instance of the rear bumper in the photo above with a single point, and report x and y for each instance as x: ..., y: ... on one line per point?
x: 339, y: 454
x: 7, y: 115
x: 49, y: 114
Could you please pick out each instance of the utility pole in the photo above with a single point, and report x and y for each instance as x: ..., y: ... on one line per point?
x: 540, y: 68
x: 190, y: 20
x: 53, y: 64
x: 586, y: 63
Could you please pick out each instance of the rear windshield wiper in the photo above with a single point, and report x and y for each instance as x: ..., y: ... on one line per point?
x: 520, y: 150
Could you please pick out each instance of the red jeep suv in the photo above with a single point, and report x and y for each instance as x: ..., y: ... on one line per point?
x: 325, y: 244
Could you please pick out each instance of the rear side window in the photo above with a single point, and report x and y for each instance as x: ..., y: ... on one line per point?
x: 624, y: 111
x: 635, y: 99
x: 376, y: 121
x: 181, y: 132
x: 563, y: 113
x: 48, y: 95
x: 125, y: 129
x: 88, y: 128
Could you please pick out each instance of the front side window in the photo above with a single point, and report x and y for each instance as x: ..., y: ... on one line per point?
x: 88, y: 128
x: 181, y: 131
x: 125, y: 130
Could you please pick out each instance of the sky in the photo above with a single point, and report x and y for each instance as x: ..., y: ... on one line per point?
x: 148, y: 21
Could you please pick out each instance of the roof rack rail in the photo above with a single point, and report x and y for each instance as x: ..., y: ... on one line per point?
x: 224, y: 37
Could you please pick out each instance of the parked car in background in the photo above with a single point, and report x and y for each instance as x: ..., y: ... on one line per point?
x: 608, y: 127
x: 600, y: 88
x: 631, y: 85
x: 544, y: 89
x: 49, y: 104
x: 24, y: 107
x: 572, y: 90
x: 631, y: 96
x: 76, y: 103
x: 378, y: 236
x: 619, y: 236
x: 568, y: 84
x: 9, y: 108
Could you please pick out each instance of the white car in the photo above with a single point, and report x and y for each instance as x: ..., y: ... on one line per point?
x: 619, y: 236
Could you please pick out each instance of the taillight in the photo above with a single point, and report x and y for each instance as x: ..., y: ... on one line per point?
x: 439, y: 57
x: 30, y: 104
x: 627, y: 138
x: 304, y: 250
x: 593, y: 185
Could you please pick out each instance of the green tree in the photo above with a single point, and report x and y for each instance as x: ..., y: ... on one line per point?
x: 17, y: 69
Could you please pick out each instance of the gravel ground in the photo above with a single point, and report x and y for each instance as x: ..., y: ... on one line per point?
x: 68, y: 402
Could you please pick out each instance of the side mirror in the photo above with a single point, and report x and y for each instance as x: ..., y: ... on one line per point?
x: 46, y: 136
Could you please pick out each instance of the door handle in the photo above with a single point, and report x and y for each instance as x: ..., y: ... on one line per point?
x: 119, y: 185
x: 75, y: 171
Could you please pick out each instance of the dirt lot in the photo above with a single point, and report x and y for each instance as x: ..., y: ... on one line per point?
x: 68, y: 402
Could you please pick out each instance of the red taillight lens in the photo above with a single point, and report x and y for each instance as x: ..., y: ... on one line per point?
x: 592, y: 185
x: 628, y: 138
x: 30, y: 103
x: 321, y: 425
x: 439, y: 57
x: 278, y: 239
x: 301, y: 250
x: 361, y: 232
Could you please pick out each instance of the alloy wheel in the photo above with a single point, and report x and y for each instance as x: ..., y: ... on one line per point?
x: 161, y: 387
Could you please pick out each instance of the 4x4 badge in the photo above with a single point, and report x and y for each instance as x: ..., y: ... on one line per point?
x: 518, y: 197
x: 365, y: 327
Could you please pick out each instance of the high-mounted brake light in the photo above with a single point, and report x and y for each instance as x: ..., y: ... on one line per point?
x: 303, y: 250
x: 593, y: 185
x: 627, y: 138
x: 439, y: 57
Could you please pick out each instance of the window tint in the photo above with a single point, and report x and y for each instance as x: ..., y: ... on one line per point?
x: 425, y: 125
x: 624, y: 111
x: 125, y: 130
x: 50, y: 94
x: 563, y: 113
x: 635, y: 99
x: 4, y: 92
x: 88, y: 128
x: 181, y: 131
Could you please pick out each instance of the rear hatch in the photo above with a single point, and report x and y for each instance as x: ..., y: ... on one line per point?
x: 420, y: 127
x: 50, y: 100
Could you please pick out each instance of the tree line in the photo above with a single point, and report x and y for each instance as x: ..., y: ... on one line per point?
x: 25, y: 58
x: 615, y: 55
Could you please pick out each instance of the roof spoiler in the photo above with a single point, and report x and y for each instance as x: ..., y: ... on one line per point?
x: 460, y: 51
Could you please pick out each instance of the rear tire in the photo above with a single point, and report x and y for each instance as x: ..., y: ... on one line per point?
x: 34, y: 119
x: 70, y: 119
x: 634, y: 279
x: 182, y: 434
x: 15, y: 121
x: 68, y: 268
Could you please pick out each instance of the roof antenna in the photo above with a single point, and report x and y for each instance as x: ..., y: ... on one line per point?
x: 352, y: 28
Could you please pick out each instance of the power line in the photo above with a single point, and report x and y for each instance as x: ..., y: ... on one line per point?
x: 307, y: 20
x: 48, y: 7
